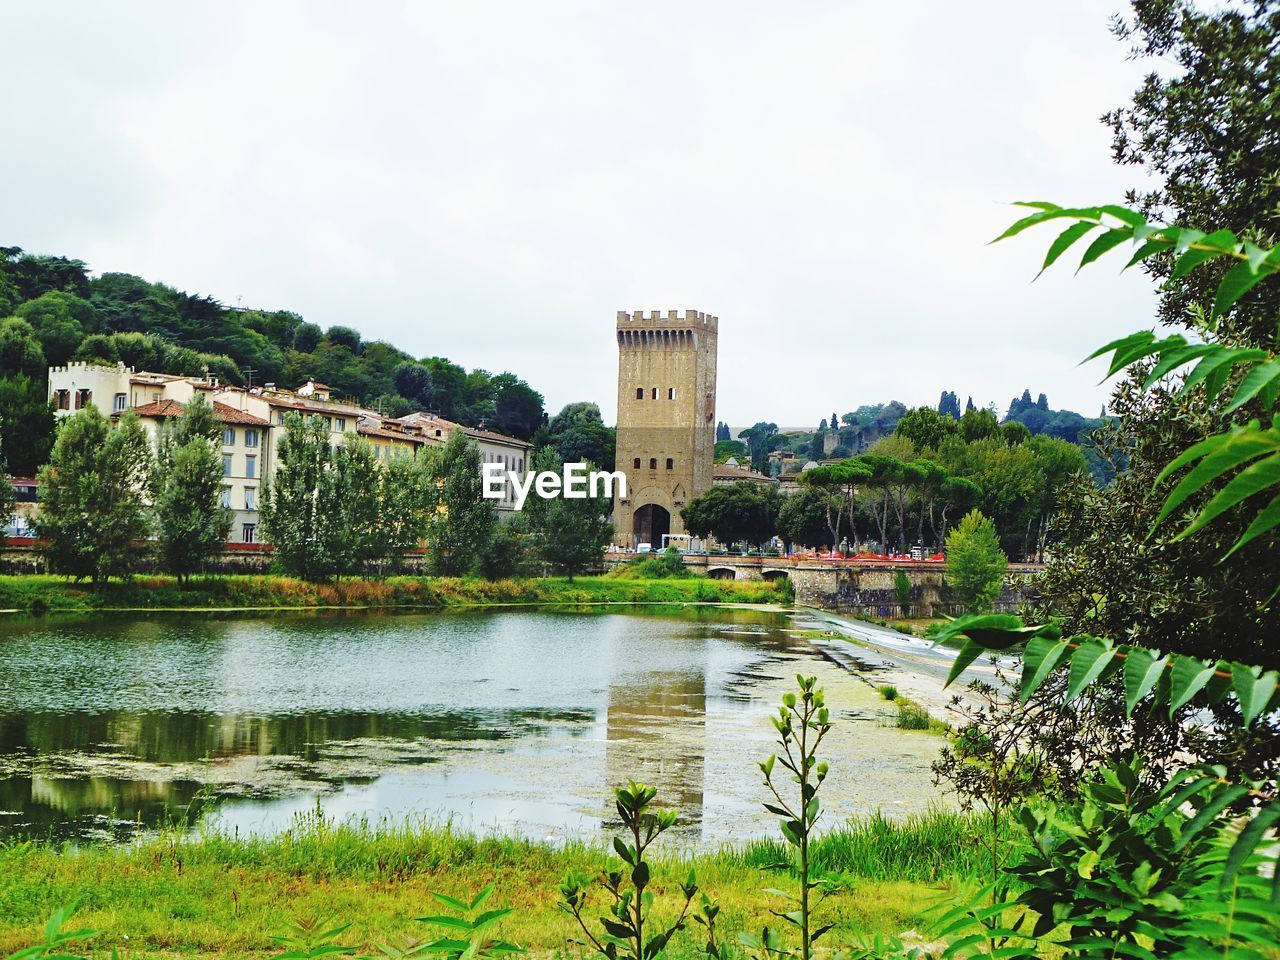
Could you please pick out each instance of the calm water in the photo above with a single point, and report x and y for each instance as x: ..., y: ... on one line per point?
x: 505, y: 721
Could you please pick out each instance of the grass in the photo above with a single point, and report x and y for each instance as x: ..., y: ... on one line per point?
x: 41, y: 593
x: 210, y: 895
x: 888, y: 691
x: 912, y: 716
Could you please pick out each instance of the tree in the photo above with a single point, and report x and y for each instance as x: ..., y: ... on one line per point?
x: 730, y: 448
x: 304, y: 507
x: 580, y: 436
x: 361, y: 478
x: 344, y: 337
x: 760, y: 441
x: 191, y: 522
x: 949, y: 405
x: 835, y: 485
x: 403, y: 499
x: 20, y: 351
x: 1014, y: 433
x: 739, y: 512
x: 722, y: 431
x: 975, y: 562
x: 462, y: 525
x: 570, y: 533
x: 803, y: 519
x: 517, y: 407
x: 26, y: 423
x: 93, y: 497
x: 60, y: 320
x: 926, y: 428
x: 978, y: 425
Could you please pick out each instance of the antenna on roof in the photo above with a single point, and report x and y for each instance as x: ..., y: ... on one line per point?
x: 248, y: 375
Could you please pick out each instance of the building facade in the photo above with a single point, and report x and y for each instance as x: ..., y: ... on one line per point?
x: 666, y: 419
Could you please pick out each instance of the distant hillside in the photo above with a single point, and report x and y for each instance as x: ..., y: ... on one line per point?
x: 53, y: 311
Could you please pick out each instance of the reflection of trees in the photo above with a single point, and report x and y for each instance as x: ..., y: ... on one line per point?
x: 657, y: 732
x: 47, y: 802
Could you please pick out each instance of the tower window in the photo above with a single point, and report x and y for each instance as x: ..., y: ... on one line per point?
x: 639, y: 393
x: 655, y: 393
x: 671, y: 393
x: 637, y: 463
x: 671, y: 464
x: 653, y: 463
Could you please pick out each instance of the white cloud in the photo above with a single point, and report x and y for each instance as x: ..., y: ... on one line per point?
x: 491, y: 182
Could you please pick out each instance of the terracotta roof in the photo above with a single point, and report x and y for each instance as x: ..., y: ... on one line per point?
x: 427, y: 421
x: 223, y: 412
x: 371, y: 431
x: 726, y: 472
x: 495, y: 437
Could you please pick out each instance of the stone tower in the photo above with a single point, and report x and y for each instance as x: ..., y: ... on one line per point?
x: 666, y: 419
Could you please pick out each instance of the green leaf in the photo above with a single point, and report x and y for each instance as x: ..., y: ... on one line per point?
x: 1142, y: 336
x: 1085, y: 865
x: 1141, y: 671
x: 1257, y: 380
x: 1266, y: 520
x: 1253, y: 690
x: 1103, y: 243
x: 1064, y: 241
x: 1253, y: 479
x: 1206, y: 814
x: 1183, y: 238
x: 1238, y: 281
x: 1087, y: 664
x: 1047, y: 214
x: 1148, y: 249
x: 1204, y: 447
x: 1239, y: 447
x: 1041, y: 656
x: 1171, y: 360
x: 970, y: 652
x: 1248, y: 840
x: 1131, y: 218
x: 1188, y: 676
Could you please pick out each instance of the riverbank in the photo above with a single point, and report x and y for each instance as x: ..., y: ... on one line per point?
x: 40, y: 593
x: 206, y: 896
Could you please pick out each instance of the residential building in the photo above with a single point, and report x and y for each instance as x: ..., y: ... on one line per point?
x: 513, y: 454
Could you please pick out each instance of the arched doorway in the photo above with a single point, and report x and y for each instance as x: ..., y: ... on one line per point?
x: 650, y: 523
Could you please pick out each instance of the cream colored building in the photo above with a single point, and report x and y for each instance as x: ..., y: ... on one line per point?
x: 513, y: 454
x: 666, y: 419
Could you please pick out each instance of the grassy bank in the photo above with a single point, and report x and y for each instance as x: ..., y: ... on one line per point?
x: 42, y: 593
x: 208, y: 896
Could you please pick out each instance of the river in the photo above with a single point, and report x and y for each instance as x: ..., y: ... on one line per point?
x: 508, y: 721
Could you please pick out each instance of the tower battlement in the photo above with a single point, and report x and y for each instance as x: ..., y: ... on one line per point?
x: 658, y: 320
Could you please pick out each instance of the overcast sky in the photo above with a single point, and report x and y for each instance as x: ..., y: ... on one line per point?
x: 491, y: 182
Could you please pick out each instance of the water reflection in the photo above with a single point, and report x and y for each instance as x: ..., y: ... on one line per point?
x: 518, y: 720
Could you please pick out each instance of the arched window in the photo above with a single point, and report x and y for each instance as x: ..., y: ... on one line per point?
x: 671, y: 464
x: 655, y: 393
x: 637, y: 464
x: 653, y: 463
x: 639, y: 393
x: 671, y: 393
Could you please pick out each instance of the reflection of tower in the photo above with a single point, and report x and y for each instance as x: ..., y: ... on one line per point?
x: 657, y: 733
x: 666, y: 419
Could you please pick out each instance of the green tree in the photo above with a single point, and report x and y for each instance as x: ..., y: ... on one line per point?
x: 20, y: 350
x: 304, y: 507
x: 26, y: 423
x: 93, y: 497
x: 978, y: 424
x: 570, y: 534
x: 403, y: 487
x: 191, y: 523
x: 803, y: 519
x: 462, y: 524
x: 738, y: 512
x: 835, y: 484
x: 579, y: 434
x: 60, y: 320
x: 926, y: 428
x: 975, y: 562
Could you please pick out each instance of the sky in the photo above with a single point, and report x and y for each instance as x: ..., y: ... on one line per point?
x: 493, y: 182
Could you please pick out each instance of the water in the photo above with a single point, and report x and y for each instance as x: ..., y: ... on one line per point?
x: 511, y: 721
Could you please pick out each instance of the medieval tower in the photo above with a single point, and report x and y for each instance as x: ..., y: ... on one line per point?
x: 666, y: 419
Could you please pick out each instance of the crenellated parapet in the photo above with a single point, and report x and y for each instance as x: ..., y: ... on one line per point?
x: 658, y: 320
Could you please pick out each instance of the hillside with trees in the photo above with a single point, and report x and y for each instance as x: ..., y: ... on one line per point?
x: 53, y: 311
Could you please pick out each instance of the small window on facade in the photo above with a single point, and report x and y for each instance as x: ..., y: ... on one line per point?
x: 655, y: 393
x: 671, y: 464
x: 639, y: 393
x: 280, y: 418
x: 328, y: 422
x: 251, y: 438
x: 225, y: 497
x: 637, y: 463
x: 226, y: 464
x: 671, y: 393
x: 228, y: 436
x: 64, y: 399
x: 653, y: 463
x: 250, y: 498
x: 340, y: 424
x: 250, y: 533
x: 117, y: 403
x: 250, y: 466
x: 83, y: 397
